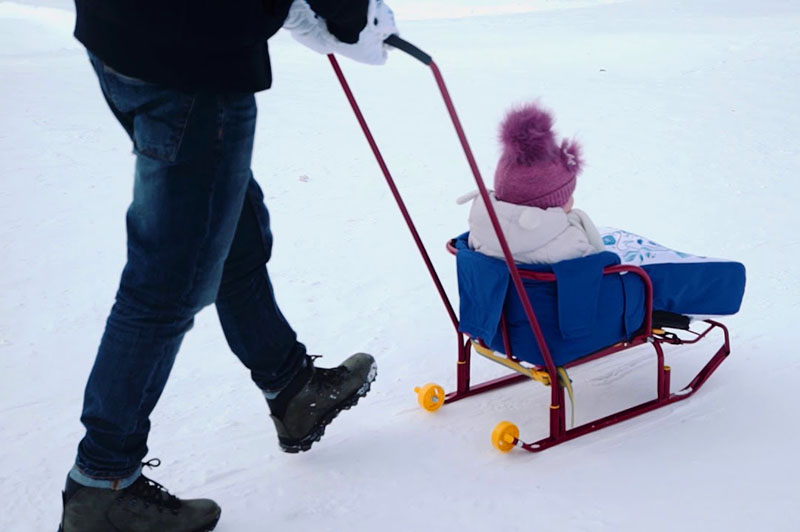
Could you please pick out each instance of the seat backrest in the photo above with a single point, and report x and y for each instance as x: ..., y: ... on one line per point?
x: 579, y: 313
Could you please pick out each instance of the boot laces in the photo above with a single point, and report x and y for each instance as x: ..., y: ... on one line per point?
x: 151, y: 492
x: 329, y: 376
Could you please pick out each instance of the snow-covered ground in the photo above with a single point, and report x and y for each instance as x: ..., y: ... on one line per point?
x: 690, y: 123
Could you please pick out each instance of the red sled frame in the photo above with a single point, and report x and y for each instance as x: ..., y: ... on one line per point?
x: 559, y: 432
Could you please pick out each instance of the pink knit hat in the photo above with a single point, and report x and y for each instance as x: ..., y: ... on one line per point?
x: 533, y: 170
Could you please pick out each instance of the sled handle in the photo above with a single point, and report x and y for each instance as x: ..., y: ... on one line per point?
x: 401, y: 44
x: 396, y: 41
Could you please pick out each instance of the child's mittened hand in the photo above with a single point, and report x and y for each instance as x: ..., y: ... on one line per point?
x: 311, y: 30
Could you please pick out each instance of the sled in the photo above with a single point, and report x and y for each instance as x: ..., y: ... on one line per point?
x: 538, y: 361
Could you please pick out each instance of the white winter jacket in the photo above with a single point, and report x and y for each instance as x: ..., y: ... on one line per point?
x: 534, y: 235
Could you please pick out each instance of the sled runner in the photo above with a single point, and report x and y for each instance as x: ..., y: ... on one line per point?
x: 586, y: 308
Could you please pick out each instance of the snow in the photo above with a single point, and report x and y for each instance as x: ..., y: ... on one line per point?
x: 688, y: 113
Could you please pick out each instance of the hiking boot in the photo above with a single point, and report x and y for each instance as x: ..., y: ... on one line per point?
x: 144, y: 506
x: 315, y: 396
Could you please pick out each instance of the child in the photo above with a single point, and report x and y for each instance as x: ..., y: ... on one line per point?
x: 533, y: 187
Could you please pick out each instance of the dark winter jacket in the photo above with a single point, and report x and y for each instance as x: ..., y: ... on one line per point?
x: 218, y: 45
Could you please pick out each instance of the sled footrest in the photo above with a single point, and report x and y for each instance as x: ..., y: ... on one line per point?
x: 539, y: 375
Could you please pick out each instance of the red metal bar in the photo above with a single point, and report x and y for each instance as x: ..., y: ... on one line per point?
x: 667, y: 376
x: 512, y: 267
x: 707, y: 370
x: 699, y: 336
x: 602, y: 423
x: 390, y: 181
x: 635, y: 342
x: 558, y: 413
x: 463, y: 366
x: 486, y: 387
x: 515, y: 275
x: 662, y: 375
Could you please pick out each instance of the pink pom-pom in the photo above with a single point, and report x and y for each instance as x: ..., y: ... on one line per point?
x: 572, y: 155
x: 526, y: 132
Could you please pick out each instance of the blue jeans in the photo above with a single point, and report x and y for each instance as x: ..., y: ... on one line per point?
x: 198, y: 233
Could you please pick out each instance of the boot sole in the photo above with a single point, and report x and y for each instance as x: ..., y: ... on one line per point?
x: 304, y: 444
x: 204, y: 528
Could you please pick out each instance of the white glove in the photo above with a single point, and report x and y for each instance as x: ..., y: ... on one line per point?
x: 312, y: 31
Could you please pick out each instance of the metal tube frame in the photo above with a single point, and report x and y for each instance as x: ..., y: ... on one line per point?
x: 558, y: 431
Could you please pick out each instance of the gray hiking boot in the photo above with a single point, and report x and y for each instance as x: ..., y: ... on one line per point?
x: 144, y: 506
x: 315, y: 396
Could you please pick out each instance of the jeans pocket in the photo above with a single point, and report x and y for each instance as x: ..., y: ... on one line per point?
x: 159, y: 114
x: 158, y: 131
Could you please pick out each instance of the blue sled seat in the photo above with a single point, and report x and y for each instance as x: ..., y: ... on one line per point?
x: 582, y: 312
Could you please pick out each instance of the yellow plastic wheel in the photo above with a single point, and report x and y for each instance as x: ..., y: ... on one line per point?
x: 504, y: 436
x: 430, y: 396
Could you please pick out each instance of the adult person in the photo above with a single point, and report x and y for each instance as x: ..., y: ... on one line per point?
x: 180, y: 78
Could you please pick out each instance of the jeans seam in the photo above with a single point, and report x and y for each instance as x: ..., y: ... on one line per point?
x: 180, y: 135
